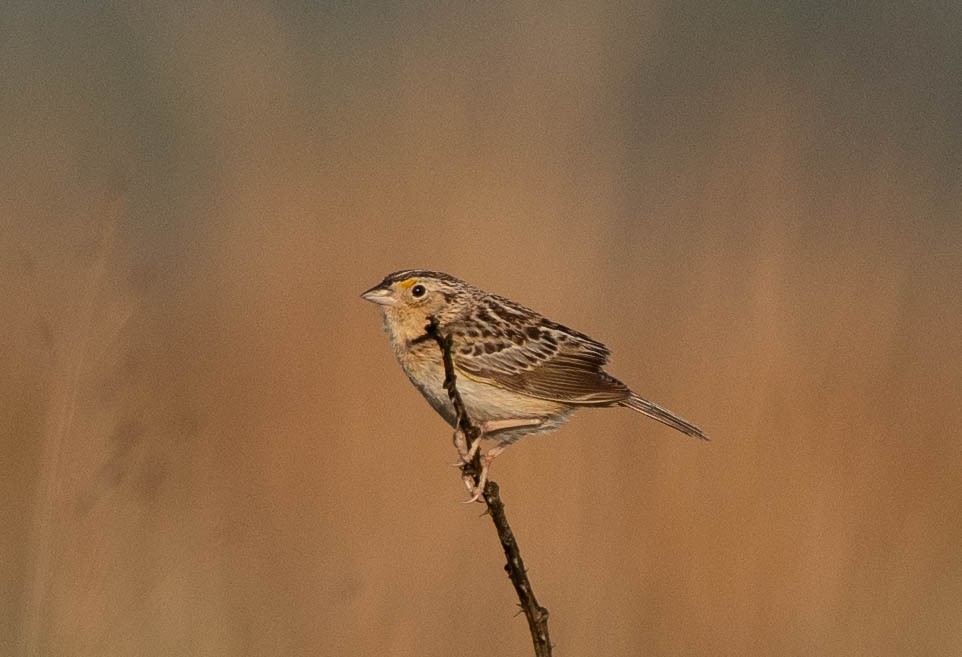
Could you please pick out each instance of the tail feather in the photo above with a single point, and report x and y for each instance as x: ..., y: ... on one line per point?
x: 663, y: 415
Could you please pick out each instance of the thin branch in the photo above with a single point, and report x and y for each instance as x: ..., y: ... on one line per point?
x: 536, y: 615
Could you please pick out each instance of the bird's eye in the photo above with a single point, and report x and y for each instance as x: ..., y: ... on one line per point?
x: 418, y: 291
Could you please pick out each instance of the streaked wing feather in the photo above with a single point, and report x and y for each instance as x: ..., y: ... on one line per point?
x: 564, y: 379
x: 544, y: 360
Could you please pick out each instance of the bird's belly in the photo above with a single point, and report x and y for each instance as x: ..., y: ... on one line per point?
x: 482, y: 401
x: 429, y: 379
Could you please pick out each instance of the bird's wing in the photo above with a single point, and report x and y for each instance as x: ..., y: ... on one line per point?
x: 528, y: 354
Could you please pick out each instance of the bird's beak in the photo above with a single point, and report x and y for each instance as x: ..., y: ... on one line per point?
x: 380, y: 296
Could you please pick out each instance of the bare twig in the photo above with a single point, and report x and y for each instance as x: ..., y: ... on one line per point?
x: 536, y: 615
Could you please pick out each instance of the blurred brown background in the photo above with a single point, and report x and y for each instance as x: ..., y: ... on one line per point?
x: 208, y: 449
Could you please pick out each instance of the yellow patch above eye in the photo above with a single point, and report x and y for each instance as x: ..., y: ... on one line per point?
x: 408, y: 282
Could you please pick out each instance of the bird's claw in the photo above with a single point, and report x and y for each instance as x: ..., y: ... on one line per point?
x: 465, y: 454
x: 477, y: 492
x: 476, y: 486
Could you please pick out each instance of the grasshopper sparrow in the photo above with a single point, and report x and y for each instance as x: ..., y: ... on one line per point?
x: 518, y: 373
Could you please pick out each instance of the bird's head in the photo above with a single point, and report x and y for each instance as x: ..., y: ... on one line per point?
x: 410, y: 299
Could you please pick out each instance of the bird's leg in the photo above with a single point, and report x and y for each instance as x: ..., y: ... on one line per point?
x: 465, y: 455
x: 492, y: 426
x: 477, y: 490
x: 475, y: 446
x: 461, y: 444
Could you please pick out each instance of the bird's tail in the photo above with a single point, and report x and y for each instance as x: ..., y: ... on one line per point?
x: 663, y: 415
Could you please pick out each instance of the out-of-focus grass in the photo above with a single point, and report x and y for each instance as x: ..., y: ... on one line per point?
x: 208, y: 449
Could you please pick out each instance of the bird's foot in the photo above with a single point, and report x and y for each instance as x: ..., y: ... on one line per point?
x: 466, y: 454
x: 475, y: 486
x: 461, y: 443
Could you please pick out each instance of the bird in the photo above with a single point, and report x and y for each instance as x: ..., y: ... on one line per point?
x: 518, y: 373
